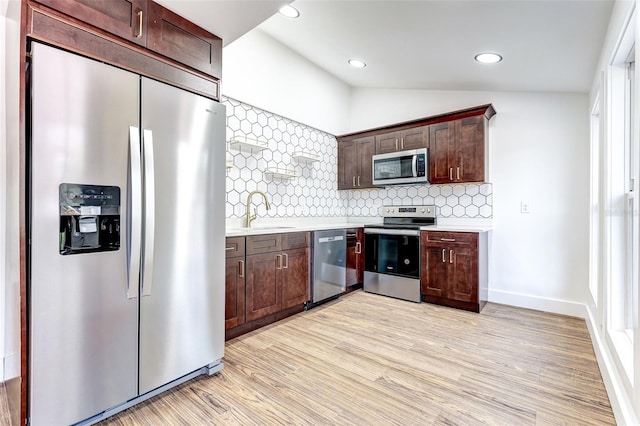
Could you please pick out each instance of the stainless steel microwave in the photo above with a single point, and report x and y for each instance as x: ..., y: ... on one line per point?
x: 402, y: 167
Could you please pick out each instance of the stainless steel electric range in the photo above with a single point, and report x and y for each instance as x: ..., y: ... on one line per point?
x: 392, y: 251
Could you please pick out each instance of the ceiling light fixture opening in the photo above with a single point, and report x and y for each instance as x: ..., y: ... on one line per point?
x: 357, y: 63
x: 488, y: 58
x: 289, y: 11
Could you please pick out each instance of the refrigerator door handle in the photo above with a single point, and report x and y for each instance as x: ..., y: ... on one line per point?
x: 149, y: 204
x: 135, y: 211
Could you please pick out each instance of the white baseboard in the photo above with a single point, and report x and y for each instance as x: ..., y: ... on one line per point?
x: 520, y: 300
x: 622, y: 406
x: 10, y: 366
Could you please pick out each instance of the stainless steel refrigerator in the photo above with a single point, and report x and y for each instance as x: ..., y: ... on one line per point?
x: 126, y: 231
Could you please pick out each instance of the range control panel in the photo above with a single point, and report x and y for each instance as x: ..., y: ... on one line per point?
x: 408, y: 211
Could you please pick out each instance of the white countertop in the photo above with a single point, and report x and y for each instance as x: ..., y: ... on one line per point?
x: 278, y: 228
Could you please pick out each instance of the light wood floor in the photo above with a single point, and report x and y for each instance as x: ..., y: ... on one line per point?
x: 5, y: 417
x: 371, y: 360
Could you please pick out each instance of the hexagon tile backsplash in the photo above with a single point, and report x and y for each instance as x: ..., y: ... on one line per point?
x: 313, y: 191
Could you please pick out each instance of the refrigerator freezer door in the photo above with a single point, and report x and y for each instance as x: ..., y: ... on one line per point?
x: 182, y: 310
x: 83, y: 326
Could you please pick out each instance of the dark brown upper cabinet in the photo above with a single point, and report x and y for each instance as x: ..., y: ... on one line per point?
x: 457, y: 142
x: 402, y: 140
x: 354, y: 163
x: 458, y: 150
x: 149, y: 25
x: 174, y: 37
x: 124, y: 18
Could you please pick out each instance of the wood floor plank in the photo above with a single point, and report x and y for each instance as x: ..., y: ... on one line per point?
x: 370, y: 360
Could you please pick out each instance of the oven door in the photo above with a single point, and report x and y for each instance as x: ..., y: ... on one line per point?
x: 392, y: 251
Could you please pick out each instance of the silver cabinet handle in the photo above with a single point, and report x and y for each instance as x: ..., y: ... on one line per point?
x: 402, y: 143
x: 450, y: 173
x: 358, y: 248
x: 354, y: 181
x: 241, y: 268
x: 150, y: 214
x: 139, y: 24
x: 451, y: 240
x: 286, y: 261
x: 396, y: 144
x: 444, y: 259
x: 279, y: 261
x: 457, y: 173
x: 450, y: 256
x: 358, y: 180
x: 229, y: 248
x: 135, y: 215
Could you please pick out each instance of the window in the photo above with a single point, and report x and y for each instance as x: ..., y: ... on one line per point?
x: 620, y: 201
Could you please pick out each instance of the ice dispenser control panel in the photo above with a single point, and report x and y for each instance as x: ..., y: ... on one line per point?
x: 89, y: 218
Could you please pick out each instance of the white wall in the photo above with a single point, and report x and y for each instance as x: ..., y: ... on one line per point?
x: 538, y: 153
x: 3, y: 168
x: 9, y: 189
x: 259, y: 71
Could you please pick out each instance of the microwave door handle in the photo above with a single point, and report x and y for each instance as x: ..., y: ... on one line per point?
x: 414, y: 165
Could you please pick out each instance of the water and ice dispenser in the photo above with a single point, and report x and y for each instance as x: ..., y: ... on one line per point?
x: 89, y: 218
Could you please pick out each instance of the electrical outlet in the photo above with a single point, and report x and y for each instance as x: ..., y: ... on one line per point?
x: 524, y: 207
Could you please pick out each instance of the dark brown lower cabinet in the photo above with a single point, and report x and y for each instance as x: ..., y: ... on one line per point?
x: 454, y: 269
x: 295, y: 277
x: 234, y: 312
x: 263, y: 285
x: 355, y: 257
x: 277, y: 273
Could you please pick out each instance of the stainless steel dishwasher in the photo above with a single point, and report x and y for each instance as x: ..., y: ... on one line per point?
x: 329, y: 267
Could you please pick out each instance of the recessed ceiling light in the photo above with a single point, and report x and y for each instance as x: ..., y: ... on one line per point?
x: 356, y: 63
x: 488, y: 58
x: 289, y: 11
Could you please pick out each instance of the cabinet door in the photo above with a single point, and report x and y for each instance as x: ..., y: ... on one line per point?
x: 352, y: 266
x: 295, y: 277
x: 347, y: 164
x: 469, y: 161
x: 263, y: 288
x: 434, y: 272
x: 414, y: 138
x: 177, y: 38
x: 234, y: 297
x: 441, y: 152
x: 366, y: 149
x: 388, y: 142
x: 463, y: 275
x: 360, y: 254
x: 123, y: 18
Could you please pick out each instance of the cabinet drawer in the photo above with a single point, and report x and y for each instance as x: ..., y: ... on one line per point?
x: 451, y: 238
x: 234, y: 247
x: 295, y: 240
x: 263, y: 244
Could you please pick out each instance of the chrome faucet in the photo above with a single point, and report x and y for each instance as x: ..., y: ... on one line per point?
x: 250, y: 217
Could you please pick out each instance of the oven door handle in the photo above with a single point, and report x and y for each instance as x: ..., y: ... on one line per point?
x: 383, y: 231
